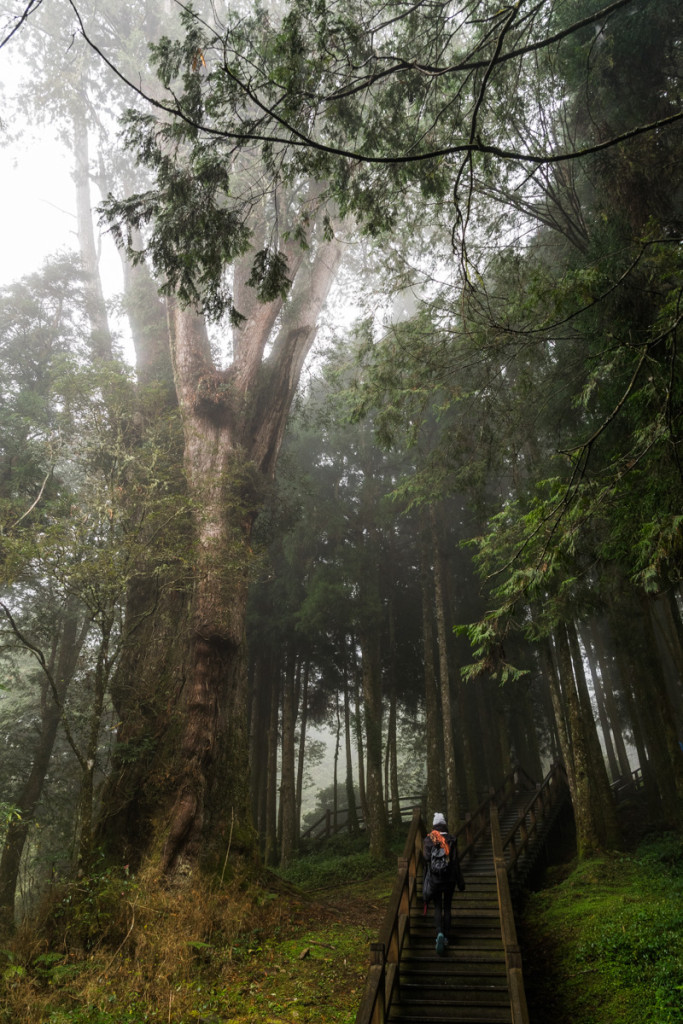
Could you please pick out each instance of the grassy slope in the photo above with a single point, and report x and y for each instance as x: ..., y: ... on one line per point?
x: 603, y: 944
x: 118, y: 950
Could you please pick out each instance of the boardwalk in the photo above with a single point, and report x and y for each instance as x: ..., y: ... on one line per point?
x: 479, y: 976
x: 469, y: 983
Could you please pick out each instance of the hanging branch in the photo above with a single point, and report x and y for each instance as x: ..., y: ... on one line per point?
x: 300, y: 140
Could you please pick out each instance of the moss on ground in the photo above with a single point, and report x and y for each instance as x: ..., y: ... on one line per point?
x: 605, y: 944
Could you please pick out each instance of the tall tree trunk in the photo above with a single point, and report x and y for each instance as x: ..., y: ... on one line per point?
x: 270, y: 840
x: 605, y: 724
x: 301, y: 754
x: 350, y: 791
x: 433, y: 729
x: 362, y: 790
x: 233, y: 424
x: 587, y: 828
x: 71, y: 640
x: 288, y: 835
x: 601, y: 792
x: 101, y: 339
x: 452, y: 794
x: 392, y: 744
x: 559, y: 711
x: 372, y: 702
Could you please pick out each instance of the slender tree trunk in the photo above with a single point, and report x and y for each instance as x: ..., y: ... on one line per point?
x: 372, y: 700
x: 362, y: 791
x: 270, y: 843
x: 588, y: 838
x: 288, y: 835
x: 301, y: 755
x: 350, y: 791
x: 335, y: 774
x: 561, y: 721
x: 605, y: 724
x: 432, y: 713
x: 452, y: 794
x: 392, y: 744
x: 600, y: 788
x: 610, y: 676
x: 71, y: 640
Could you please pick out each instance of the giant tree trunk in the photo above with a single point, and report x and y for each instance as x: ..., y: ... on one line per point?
x: 192, y: 788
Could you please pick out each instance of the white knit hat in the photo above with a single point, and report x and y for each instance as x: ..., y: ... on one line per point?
x: 438, y: 819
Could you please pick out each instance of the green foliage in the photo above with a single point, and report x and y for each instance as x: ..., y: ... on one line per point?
x: 95, y: 908
x: 618, y: 926
x: 322, y: 869
x: 269, y: 275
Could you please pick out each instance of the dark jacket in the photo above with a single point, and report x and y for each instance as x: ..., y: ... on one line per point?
x: 454, y: 876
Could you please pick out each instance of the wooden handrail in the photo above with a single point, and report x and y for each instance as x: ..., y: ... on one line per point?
x: 331, y: 829
x: 537, y: 808
x: 628, y: 784
x: 513, y: 955
x: 477, y: 823
x: 383, y: 976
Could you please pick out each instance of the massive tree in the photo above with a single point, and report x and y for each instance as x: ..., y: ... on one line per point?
x: 259, y: 136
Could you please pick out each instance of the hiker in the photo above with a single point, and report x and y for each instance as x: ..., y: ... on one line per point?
x: 441, y: 874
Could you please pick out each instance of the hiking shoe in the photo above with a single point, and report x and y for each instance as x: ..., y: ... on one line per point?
x: 441, y: 944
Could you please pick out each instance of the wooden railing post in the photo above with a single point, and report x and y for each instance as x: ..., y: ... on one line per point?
x: 513, y: 956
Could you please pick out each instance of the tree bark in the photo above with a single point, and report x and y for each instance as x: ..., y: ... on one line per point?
x: 72, y: 637
x: 450, y: 771
x: 288, y: 836
x: 233, y: 423
x: 372, y: 703
x: 600, y: 789
x: 350, y: 791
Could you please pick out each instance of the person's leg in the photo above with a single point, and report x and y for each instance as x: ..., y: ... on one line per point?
x: 438, y: 911
x: 441, y: 942
x: 446, y: 916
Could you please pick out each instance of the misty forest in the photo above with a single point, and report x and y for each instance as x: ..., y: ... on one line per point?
x: 341, y: 475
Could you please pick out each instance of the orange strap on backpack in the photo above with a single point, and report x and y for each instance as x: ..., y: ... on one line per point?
x: 437, y: 837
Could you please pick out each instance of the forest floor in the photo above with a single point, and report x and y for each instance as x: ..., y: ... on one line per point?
x: 603, y: 940
x: 602, y: 944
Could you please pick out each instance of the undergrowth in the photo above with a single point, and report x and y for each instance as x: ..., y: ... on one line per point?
x: 113, y: 949
x: 605, y: 945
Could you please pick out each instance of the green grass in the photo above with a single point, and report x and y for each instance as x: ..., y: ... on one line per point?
x: 256, y: 950
x: 605, y: 945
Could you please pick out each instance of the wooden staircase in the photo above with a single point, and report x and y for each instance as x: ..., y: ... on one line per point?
x: 469, y: 982
x: 478, y: 979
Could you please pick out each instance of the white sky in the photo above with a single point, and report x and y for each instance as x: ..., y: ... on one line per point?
x: 38, y: 209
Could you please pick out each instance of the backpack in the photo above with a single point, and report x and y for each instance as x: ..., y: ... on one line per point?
x: 436, y: 872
